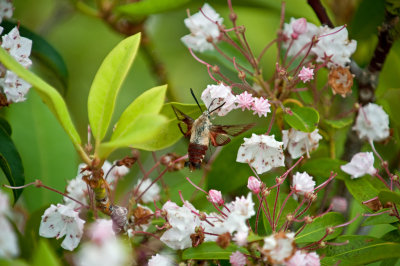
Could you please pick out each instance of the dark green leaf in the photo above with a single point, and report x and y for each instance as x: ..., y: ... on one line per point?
x: 10, y: 163
x: 43, y: 51
x: 322, y: 167
x: 389, y: 196
x: 368, y: 16
x: 317, y: 229
x: 210, y: 251
x: 341, y: 123
x: 392, y: 236
x: 5, y: 126
x: 149, y: 7
x: 303, y: 118
x: 361, y: 188
x: 380, y: 219
x: 361, y: 250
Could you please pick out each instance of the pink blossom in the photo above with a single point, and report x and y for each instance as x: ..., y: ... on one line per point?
x: 306, y: 74
x: 339, y: 204
x: 216, y: 197
x: 261, y: 106
x: 102, y: 231
x: 254, y: 184
x: 303, y: 183
x: 299, y: 27
x: 304, y: 259
x: 244, y: 100
x: 237, y: 259
x: 241, y: 238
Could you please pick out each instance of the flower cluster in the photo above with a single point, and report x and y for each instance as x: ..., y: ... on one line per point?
x: 8, y: 239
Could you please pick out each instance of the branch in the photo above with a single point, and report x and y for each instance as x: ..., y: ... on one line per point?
x: 320, y: 11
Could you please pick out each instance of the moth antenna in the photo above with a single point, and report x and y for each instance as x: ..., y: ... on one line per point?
x: 217, y: 108
x: 191, y: 91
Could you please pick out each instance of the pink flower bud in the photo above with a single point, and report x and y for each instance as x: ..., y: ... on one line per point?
x: 237, y: 259
x: 254, y: 184
x: 215, y: 196
x: 300, y: 26
x: 339, y: 204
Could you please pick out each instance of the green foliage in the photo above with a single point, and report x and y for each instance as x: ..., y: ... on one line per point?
x: 148, y: 7
x: 10, y: 160
x: 44, y: 255
x: 380, y: 219
x: 303, y: 118
x: 360, y: 250
x: 210, y: 251
x: 338, y: 124
x: 317, y: 229
x: 362, y: 188
x: 105, y: 87
x: 389, y: 196
x: 322, y: 167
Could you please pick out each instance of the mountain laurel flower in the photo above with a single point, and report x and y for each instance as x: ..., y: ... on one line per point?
x: 361, y: 164
x: 153, y: 193
x: 299, y: 27
x: 6, y: 9
x: 303, y: 183
x: 306, y: 74
x: 8, y: 239
x: 4, y: 203
x: 101, y: 231
x: 240, y: 238
x: 261, y: 107
x: 339, y: 204
x: 203, y: 28
x: 215, y: 196
x: 299, y: 43
x: 160, y: 260
x: 262, y: 152
x: 372, y: 123
x: 244, y: 100
x: 218, y: 95
x: 334, y: 43
x: 254, y: 184
x: 279, y: 247
x: 61, y: 220
x: 301, y: 258
x: 237, y: 259
x: 299, y: 143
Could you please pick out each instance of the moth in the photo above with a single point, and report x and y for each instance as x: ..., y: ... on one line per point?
x: 201, y: 132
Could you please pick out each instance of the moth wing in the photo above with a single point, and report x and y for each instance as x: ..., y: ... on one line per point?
x: 185, y: 122
x: 232, y: 130
x: 218, y: 139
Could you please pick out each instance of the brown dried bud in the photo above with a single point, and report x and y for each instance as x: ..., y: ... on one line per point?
x: 168, y: 160
x: 340, y: 80
x: 224, y: 240
x: 3, y: 100
x: 198, y: 237
x: 127, y: 161
x: 142, y: 215
x: 373, y: 204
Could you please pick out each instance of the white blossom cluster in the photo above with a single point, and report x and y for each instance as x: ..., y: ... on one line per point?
x: 8, y: 238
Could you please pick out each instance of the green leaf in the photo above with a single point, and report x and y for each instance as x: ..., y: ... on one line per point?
x: 392, y: 236
x: 210, y: 251
x: 149, y: 102
x: 10, y: 162
x: 380, y: 219
x: 361, y: 250
x: 17, y: 262
x: 341, y: 123
x: 303, y: 118
x: 49, y: 95
x: 361, y: 188
x: 43, y: 51
x: 45, y: 255
x: 144, y: 128
x: 148, y: 7
x: 389, y: 196
x: 317, y: 229
x: 322, y: 167
x: 5, y: 126
x: 170, y: 133
x: 107, y: 82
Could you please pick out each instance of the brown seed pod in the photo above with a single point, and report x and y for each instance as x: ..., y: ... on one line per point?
x: 340, y: 80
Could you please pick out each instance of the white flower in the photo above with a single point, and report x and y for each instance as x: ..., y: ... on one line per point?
x: 202, y: 29
x: 279, y: 247
x: 361, y: 164
x: 8, y: 239
x: 101, y: 231
x: 61, y: 220
x: 111, y: 252
x: 301, y: 41
x: 4, y: 203
x: 303, y: 183
x: 14, y: 87
x: 262, y: 152
x: 334, y: 43
x: 151, y: 194
x: 160, y: 260
x: 298, y: 142
x: 301, y: 258
x: 237, y: 259
x: 372, y: 123
x: 18, y: 47
x: 6, y: 9
x: 218, y: 95
x: 183, y: 223
x: 77, y: 189
x: 240, y: 238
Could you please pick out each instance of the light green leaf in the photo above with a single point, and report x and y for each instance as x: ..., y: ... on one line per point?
x: 210, y: 251
x: 45, y: 255
x: 144, y: 128
x: 149, y: 102
x: 303, y: 118
x: 107, y: 82
x: 389, y: 196
x: 317, y: 229
x: 170, y: 133
x: 49, y: 95
x: 361, y: 250
x: 148, y: 7
x: 380, y: 219
x: 10, y: 162
x: 361, y: 188
x: 341, y: 123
